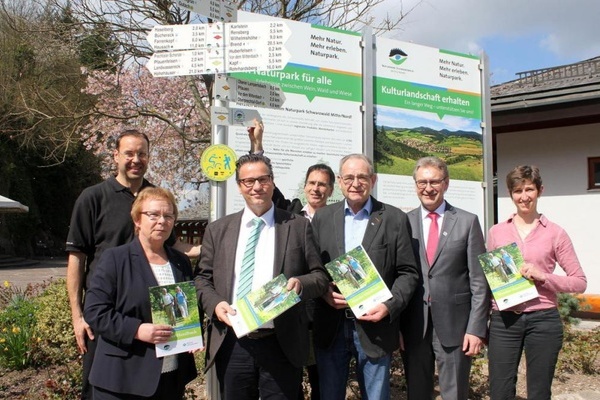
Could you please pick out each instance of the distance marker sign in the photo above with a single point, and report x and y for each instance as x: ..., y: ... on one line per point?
x: 218, y: 48
x: 220, y: 10
x: 185, y: 37
x: 186, y: 62
x: 248, y: 93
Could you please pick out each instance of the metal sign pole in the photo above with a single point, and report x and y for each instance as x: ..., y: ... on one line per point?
x: 488, y: 151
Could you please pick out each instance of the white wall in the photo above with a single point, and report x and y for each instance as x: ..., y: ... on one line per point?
x: 561, y: 154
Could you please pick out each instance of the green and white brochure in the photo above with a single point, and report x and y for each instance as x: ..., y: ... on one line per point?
x: 501, y: 267
x: 183, y: 315
x: 358, y: 280
x: 262, y: 305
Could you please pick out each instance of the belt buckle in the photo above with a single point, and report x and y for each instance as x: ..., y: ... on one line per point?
x: 348, y: 313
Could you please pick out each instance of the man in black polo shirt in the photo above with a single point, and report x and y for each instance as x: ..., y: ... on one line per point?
x: 101, y: 219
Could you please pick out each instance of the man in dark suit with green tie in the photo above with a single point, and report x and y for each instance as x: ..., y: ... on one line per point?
x: 267, y: 362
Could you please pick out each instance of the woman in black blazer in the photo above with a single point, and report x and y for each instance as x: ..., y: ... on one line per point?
x: 117, y: 307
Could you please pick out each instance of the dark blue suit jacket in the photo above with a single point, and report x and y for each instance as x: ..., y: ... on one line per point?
x: 116, y: 304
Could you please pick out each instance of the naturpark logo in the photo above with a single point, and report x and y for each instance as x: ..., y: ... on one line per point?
x: 397, y: 56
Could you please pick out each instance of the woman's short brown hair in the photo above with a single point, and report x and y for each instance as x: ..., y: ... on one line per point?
x: 521, y: 174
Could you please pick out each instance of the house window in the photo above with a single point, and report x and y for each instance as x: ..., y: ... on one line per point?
x: 594, y: 173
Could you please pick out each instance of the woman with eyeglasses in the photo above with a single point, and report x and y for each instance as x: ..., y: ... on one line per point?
x: 534, y: 326
x: 117, y: 307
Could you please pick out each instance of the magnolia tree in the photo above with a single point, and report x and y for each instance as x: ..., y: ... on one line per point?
x: 166, y: 109
x: 174, y: 112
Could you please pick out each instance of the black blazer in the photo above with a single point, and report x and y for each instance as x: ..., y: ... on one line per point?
x: 116, y: 304
x: 388, y: 244
x: 295, y: 256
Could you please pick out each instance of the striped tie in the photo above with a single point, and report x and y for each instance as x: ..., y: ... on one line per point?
x: 247, y: 270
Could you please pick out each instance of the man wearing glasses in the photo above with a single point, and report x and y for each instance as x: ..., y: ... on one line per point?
x: 101, y: 219
x: 318, y: 187
x: 371, y: 338
x: 446, y: 321
x: 241, y: 252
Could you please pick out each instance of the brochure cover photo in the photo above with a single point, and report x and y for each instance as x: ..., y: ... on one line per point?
x: 358, y: 280
x: 177, y: 305
x: 262, y: 305
x: 501, y: 267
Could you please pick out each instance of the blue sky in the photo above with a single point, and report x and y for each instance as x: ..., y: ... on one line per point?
x: 517, y: 35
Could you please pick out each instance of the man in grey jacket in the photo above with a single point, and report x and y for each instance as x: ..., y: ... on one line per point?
x: 446, y: 321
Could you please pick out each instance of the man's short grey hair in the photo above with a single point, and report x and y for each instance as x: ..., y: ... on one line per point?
x: 358, y: 156
x: 431, y: 161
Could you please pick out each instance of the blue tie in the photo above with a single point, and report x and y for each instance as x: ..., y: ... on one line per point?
x: 247, y: 270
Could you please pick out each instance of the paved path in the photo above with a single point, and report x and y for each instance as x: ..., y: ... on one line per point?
x: 47, y: 269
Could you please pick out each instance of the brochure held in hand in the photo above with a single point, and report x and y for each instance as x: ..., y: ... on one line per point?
x: 177, y: 305
x: 501, y: 267
x: 358, y: 280
x: 262, y: 305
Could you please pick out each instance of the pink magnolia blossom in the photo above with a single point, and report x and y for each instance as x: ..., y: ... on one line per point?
x: 170, y: 111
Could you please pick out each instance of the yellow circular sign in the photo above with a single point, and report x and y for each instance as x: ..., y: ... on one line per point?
x: 218, y: 162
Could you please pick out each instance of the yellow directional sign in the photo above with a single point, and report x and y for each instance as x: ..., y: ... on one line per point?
x: 218, y: 162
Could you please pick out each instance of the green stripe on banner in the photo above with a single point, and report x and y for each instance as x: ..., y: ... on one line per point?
x: 401, y: 94
x: 454, y: 53
x: 327, y: 28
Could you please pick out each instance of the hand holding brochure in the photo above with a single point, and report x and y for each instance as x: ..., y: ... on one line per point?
x: 358, y: 280
x: 177, y: 305
x: 501, y: 267
x: 262, y: 305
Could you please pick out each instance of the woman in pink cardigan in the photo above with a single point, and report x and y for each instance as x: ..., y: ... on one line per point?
x: 534, y: 326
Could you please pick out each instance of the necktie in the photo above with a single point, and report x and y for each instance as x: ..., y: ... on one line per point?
x: 247, y: 270
x: 433, y: 238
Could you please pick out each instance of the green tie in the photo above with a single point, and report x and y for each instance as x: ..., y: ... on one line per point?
x: 247, y: 270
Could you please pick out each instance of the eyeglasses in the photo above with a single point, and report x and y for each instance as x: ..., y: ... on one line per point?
x: 249, y: 182
x: 130, y: 155
x: 435, y: 183
x: 155, y: 216
x: 362, y: 179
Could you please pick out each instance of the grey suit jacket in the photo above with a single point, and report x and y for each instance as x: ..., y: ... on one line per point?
x: 454, y: 283
x: 387, y: 241
x: 295, y: 256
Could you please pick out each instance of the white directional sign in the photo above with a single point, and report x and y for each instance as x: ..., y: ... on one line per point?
x: 222, y: 48
x: 248, y: 93
x: 186, y: 37
x: 186, y: 62
x: 219, y: 10
x: 256, y: 46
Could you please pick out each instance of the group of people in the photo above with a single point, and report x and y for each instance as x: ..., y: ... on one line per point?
x: 440, y: 312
